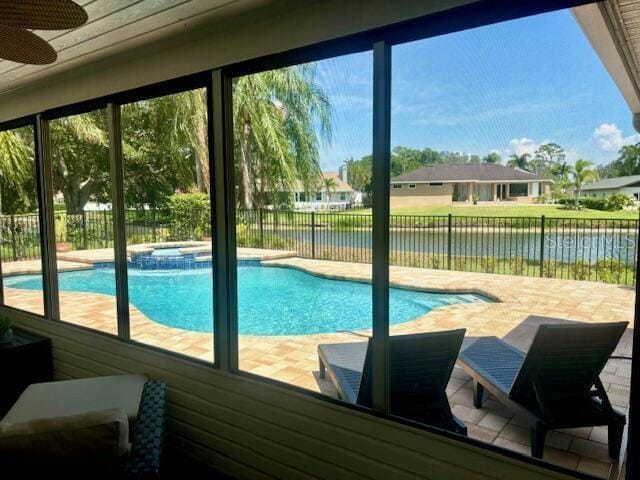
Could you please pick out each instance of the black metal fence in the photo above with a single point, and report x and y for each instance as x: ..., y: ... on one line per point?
x: 570, y: 248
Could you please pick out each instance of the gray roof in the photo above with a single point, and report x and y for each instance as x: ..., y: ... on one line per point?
x: 615, y: 182
x: 470, y: 172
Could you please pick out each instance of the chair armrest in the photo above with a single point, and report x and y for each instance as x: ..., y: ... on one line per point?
x: 148, y: 436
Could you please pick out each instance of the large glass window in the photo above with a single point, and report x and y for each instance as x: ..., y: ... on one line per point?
x: 83, y: 221
x: 304, y: 269
x: 518, y: 189
x: 507, y: 319
x: 168, y: 223
x: 478, y: 110
x: 19, y: 217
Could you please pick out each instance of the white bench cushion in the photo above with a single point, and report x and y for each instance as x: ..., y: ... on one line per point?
x: 76, y: 397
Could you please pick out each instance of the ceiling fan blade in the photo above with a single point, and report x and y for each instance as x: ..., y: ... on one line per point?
x: 42, y: 14
x: 22, y: 46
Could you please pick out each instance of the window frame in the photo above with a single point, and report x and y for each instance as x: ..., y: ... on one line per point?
x: 220, y: 133
x: 32, y: 121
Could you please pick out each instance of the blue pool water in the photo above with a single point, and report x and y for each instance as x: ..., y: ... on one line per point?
x: 271, y: 300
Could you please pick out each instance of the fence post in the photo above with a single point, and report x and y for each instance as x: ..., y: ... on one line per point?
x: 85, y: 241
x: 261, y: 225
x: 105, y: 225
x: 313, y: 235
x: 449, y: 242
x: 154, y: 225
x: 13, y: 238
x: 542, y: 246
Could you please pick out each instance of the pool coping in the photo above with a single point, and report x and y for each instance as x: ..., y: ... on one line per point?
x: 392, y: 283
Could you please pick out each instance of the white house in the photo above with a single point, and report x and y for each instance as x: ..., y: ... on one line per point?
x: 629, y: 185
x: 340, y: 197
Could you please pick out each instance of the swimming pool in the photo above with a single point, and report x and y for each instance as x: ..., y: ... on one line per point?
x: 271, y: 300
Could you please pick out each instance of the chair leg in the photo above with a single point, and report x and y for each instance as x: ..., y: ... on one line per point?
x: 538, y: 435
x: 478, y: 393
x: 459, y: 427
x: 323, y: 371
x: 616, y: 429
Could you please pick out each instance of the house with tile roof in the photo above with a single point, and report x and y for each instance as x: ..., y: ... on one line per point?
x: 446, y: 184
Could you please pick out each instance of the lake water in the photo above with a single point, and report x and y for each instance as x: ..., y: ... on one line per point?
x: 563, y: 246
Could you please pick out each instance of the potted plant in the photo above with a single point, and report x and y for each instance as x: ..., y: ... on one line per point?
x: 6, y: 333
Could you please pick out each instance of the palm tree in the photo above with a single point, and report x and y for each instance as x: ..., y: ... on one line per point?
x: 563, y: 171
x: 15, y: 159
x: 191, y: 123
x: 329, y: 185
x: 519, y: 161
x: 583, y: 173
x: 274, y: 115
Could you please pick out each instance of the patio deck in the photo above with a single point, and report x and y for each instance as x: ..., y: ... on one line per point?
x: 522, y: 303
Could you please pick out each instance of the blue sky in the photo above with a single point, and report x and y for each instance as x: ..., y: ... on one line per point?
x: 507, y: 88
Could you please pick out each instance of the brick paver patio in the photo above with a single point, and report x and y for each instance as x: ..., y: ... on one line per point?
x: 521, y: 303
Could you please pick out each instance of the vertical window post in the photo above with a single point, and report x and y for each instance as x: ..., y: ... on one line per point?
x: 633, y: 464
x: 225, y: 285
x: 380, y: 243
x: 44, y: 182
x: 117, y: 216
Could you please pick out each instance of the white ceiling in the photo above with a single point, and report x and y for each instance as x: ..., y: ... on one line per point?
x: 115, y: 25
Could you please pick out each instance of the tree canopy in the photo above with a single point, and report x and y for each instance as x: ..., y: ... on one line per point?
x: 17, y: 168
x: 627, y: 163
x: 280, y: 117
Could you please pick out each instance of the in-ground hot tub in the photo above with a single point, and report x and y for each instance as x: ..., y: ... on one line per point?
x: 170, y: 256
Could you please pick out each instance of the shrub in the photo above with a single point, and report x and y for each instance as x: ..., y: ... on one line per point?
x: 595, y: 203
x: 460, y: 263
x: 544, y: 198
x: 433, y: 261
x: 349, y: 222
x: 488, y: 264
x: 610, y: 270
x: 614, y: 202
x: 190, y: 214
x: 618, y: 201
x: 580, y: 270
x: 549, y: 268
x: 517, y: 265
x: 570, y: 204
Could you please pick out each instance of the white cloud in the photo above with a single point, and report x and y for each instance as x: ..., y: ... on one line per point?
x: 523, y: 145
x: 351, y: 102
x: 610, y: 139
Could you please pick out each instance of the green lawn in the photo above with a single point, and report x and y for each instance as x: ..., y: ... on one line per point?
x: 508, y: 211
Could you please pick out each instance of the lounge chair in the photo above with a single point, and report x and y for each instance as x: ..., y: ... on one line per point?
x: 420, y: 367
x: 556, y: 383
